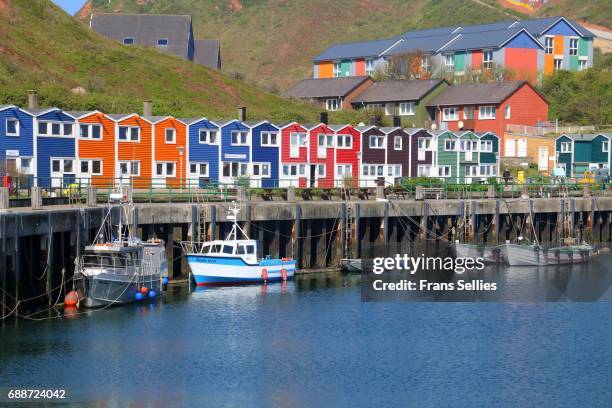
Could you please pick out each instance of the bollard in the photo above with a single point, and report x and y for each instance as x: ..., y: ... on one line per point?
x: 241, y: 194
x: 92, y: 196
x: 586, y: 190
x: 380, y: 192
x: 4, y: 198
x: 36, y: 198
x: 291, y: 194
x: 418, y: 193
x: 490, y: 191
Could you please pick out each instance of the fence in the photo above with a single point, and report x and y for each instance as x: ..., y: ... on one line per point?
x: 551, y: 129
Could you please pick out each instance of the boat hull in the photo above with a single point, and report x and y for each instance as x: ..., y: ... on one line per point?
x: 351, y: 265
x: 207, y: 270
x: 110, y: 289
x: 531, y: 255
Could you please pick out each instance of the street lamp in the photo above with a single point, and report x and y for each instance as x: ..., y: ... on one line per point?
x: 181, y: 150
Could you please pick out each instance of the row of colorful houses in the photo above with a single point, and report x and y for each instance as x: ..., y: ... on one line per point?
x: 55, y: 147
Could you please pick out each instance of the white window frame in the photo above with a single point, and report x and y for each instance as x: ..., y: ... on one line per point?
x: 268, y: 136
x: 406, y: 109
x: 449, y: 61
x: 379, y: 142
x: 446, y: 114
x: 468, y: 145
x: 343, y: 170
x: 90, y: 163
x: 198, y: 173
x: 261, y: 166
x: 565, y: 147
x: 62, y: 128
x: 486, y: 112
x: 288, y: 169
x: 173, y: 130
x: 396, y: 145
x: 450, y: 145
x: 163, y: 45
x: 582, y: 64
x: 321, y: 170
x: 573, y: 51
x: 344, y: 141
x: 487, y: 59
x: 90, y: 128
x: 62, y: 161
x: 337, y: 69
x: 558, y: 64
x: 164, y: 165
x: 129, y: 133
x: 424, y: 170
x: 369, y: 66
x: 424, y: 143
x: 130, y: 168
x: 445, y: 171
x: 208, y: 139
x: 486, y: 146
x: 489, y: 170
x: 241, y: 167
x: 333, y: 104
x: 549, y: 44
x: 605, y: 147
x: 242, y: 139
x: 17, y: 127
x: 296, y: 141
x: 507, y: 111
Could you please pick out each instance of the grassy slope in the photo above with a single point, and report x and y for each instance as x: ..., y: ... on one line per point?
x: 271, y: 42
x: 593, y: 11
x: 45, y: 49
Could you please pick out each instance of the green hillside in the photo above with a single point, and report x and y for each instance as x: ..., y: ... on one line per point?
x: 43, y: 48
x: 271, y: 42
x: 592, y: 11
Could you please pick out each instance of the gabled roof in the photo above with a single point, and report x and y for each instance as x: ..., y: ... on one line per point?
x: 394, y: 91
x: 337, y: 128
x: 490, y: 39
x: 539, y: 26
x: 155, y: 119
x: 492, y: 93
x: 118, y: 117
x: 3, y: 107
x: 191, y: 121
x: 146, y: 29
x: 325, y: 87
x: 254, y: 123
x: 412, y: 131
x: 426, y: 44
x: 388, y: 129
x: 581, y: 137
x: 207, y: 52
x: 40, y: 111
x: 356, y: 49
x: 81, y: 114
x: 224, y: 122
x: 363, y: 129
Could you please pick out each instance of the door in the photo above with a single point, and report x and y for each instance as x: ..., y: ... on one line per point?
x: 322, y: 147
x: 313, y: 175
x: 510, y: 148
x: 470, y: 172
x: 543, y: 158
x: 522, y: 148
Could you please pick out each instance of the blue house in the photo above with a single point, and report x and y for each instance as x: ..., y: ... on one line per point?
x: 203, y: 140
x: 265, y: 153
x: 16, y: 141
x: 54, y: 131
x: 235, y: 150
x: 577, y: 153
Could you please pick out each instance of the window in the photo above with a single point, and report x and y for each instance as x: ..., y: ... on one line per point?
x: 26, y: 165
x: 129, y: 168
x: 449, y: 145
x: 487, y: 59
x: 582, y: 65
x: 507, y: 112
x: 87, y: 131
x: 165, y: 169
x: 294, y: 170
x: 128, y: 41
x: 486, y: 112
x: 558, y: 64
x: 573, y: 46
x: 12, y: 127
x: 425, y: 63
x: 54, y: 129
x: 296, y: 140
x: 549, y: 45
x: 449, y: 61
x: 450, y: 114
x: 468, y: 145
x: 369, y: 67
x: 397, y: 143
x: 321, y: 170
x: 389, y: 109
x: 129, y: 133
x: 344, y: 170
x: 444, y: 171
x: 398, y: 170
x: 423, y: 171
x: 198, y: 169
x: 424, y: 143
x: 566, y: 147
x: 468, y: 112
x: 68, y: 166
x: 333, y: 104
x: 337, y: 69
x: 92, y: 167
x: 486, y: 146
x: 162, y: 41
x: 487, y: 170
x: 239, y: 138
x: 344, y: 141
x: 269, y: 139
x: 235, y: 169
x: 207, y: 136
x: 170, y: 135
x: 261, y: 169
x: 377, y: 142
x: 62, y: 166
x: 406, y: 108
x: 605, y: 148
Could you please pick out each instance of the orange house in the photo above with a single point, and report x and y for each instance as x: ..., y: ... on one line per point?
x: 169, y: 151
x: 95, y: 146
x: 134, y: 149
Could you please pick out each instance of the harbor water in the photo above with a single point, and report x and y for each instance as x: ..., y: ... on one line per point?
x: 312, y: 342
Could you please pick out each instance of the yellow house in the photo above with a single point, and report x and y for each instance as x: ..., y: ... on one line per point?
x: 531, y: 149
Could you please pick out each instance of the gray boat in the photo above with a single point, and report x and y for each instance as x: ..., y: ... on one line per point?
x: 536, y: 255
x: 489, y: 253
x: 121, y: 270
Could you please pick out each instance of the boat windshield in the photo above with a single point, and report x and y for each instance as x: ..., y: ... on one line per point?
x: 111, y: 260
x: 244, y: 249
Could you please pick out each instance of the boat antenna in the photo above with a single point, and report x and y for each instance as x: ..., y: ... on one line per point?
x: 233, y: 215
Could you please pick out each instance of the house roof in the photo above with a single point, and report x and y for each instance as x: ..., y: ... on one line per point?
x: 492, y: 93
x: 583, y: 137
x: 393, y: 91
x: 326, y: 87
x: 146, y: 29
x: 389, y: 129
x: 365, y: 128
x: 426, y: 44
x: 356, y: 49
x: 80, y: 114
x: 207, y: 52
x: 3, y: 107
x: 479, y: 40
x: 190, y: 121
x: 120, y: 116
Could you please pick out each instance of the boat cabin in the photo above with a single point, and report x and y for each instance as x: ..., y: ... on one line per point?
x: 245, y: 249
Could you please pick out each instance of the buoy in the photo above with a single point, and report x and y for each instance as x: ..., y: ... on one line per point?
x: 71, y: 299
x: 284, y: 274
x: 138, y: 296
x: 152, y: 294
x: 70, y: 311
x: 165, y: 280
x: 264, y: 274
x: 144, y: 290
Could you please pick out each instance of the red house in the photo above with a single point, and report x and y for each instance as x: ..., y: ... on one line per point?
x: 321, y: 156
x: 348, y: 148
x: 488, y: 107
x: 294, y: 155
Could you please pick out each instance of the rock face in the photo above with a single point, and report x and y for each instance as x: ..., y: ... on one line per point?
x: 85, y: 11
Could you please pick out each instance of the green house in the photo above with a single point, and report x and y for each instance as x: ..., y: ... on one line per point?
x: 577, y: 153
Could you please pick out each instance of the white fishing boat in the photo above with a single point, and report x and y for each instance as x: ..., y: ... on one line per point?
x: 234, y: 260
x: 117, y: 267
x: 536, y: 255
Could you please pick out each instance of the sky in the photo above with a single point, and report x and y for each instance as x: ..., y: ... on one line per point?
x: 71, y: 6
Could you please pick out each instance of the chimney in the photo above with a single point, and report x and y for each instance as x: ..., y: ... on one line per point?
x: 397, y: 121
x: 374, y: 120
x: 324, y: 118
x: 32, y: 99
x: 242, y: 113
x: 147, y: 108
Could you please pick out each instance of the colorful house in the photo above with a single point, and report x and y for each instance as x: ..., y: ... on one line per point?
x: 294, y: 155
x: 169, y: 145
x: 347, y: 148
x: 373, y: 155
x: 530, y: 149
x: 321, y: 156
x: 466, y: 157
x: 332, y: 94
x: 55, y: 147
x: 134, y: 150
x: 17, y: 155
x: 398, y: 153
x: 577, y: 153
x: 203, y: 147
x: 235, y: 150
x: 265, y: 154
x: 421, y: 156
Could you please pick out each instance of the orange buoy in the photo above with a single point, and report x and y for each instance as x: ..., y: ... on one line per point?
x: 71, y: 299
x: 284, y: 274
x: 144, y: 290
x: 264, y: 274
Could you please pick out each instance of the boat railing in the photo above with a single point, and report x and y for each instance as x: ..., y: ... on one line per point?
x: 117, y: 265
x: 193, y: 247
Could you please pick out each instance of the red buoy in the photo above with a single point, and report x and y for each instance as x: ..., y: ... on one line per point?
x: 71, y: 299
x: 284, y: 274
x: 264, y: 274
x: 144, y: 290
